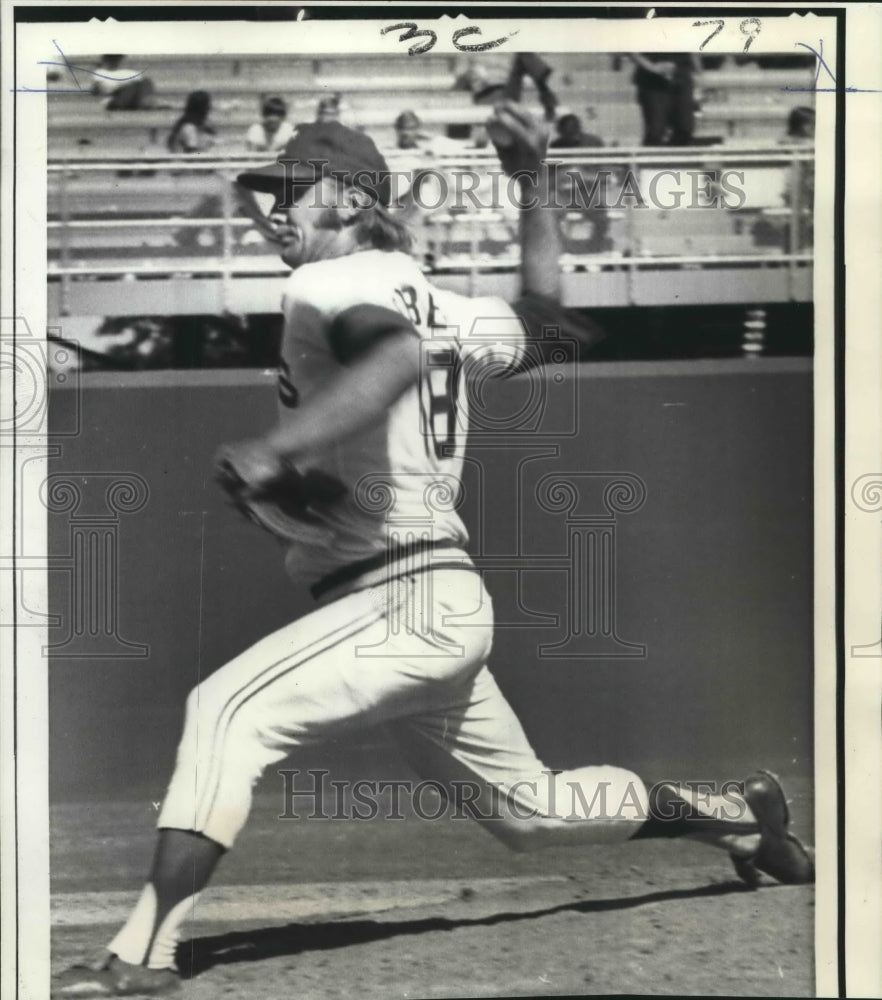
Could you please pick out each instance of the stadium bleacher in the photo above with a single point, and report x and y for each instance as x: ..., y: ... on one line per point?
x: 740, y: 102
x: 121, y: 209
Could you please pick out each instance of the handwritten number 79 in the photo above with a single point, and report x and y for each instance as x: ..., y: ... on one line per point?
x: 752, y: 31
x: 703, y: 24
x: 750, y: 26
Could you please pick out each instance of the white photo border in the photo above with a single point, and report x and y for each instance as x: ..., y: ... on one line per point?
x: 848, y: 428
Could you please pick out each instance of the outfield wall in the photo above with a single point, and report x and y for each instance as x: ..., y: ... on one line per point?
x: 713, y: 570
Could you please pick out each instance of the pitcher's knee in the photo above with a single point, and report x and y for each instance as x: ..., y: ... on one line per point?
x: 248, y: 731
x: 590, y: 804
x: 519, y: 835
x: 604, y: 793
x: 204, y: 703
x: 215, y: 705
x: 215, y: 727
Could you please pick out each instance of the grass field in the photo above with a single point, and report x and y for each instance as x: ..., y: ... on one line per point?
x: 318, y: 909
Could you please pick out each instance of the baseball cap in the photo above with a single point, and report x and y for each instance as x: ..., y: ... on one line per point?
x: 323, y: 149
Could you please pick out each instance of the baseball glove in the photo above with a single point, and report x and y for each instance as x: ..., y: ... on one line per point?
x: 287, y: 506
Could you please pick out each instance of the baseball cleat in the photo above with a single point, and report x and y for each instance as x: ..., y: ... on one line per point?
x: 780, y: 853
x: 110, y: 976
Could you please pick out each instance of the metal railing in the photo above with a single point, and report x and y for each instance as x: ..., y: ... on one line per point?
x: 92, y: 225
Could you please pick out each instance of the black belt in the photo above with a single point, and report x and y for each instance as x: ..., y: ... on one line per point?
x: 346, y: 574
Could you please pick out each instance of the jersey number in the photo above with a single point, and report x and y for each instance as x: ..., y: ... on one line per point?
x: 442, y: 383
x: 441, y: 377
x: 288, y: 394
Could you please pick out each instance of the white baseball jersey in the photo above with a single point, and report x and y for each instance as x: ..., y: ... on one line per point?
x: 413, y: 655
x: 403, y: 475
x: 257, y: 139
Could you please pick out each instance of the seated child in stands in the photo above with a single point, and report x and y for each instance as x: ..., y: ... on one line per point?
x: 523, y: 65
x: 124, y: 89
x: 273, y: 131
x: 192, y: 133
x: 801, y: 124
x: 328, y: 109
x: 570, y: 135
x: 585, y: 228
x: 407, y: 130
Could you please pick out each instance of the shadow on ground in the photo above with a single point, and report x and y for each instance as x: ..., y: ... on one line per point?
x: 200, y: 954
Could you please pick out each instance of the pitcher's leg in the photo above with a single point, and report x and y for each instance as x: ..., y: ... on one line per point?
x: 478, y: 748
x: 289, y: 689
x: 365, y: 659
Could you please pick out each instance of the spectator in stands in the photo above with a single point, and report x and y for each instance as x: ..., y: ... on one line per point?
x: 124, y: 89
x: 585, y: 228
x: 798, y: 194
x: 570, y: 134
x: 801, y: 197
x: 801, y: 124
x: 328, y: 109
x: 471, y: 76
x: 523, y: 64
x: 273, y: 131
x: 666, y: 92
x: 192, y: 132
x: 407, y: 130
x: 410, y: 137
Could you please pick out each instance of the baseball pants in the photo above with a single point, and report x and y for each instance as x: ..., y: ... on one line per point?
x: 411, y: 653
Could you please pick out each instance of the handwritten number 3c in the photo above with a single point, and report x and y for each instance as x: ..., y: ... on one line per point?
x: 410, y: 31
x: 477, y: 46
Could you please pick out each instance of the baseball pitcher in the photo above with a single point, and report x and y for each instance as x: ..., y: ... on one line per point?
x: 360, y: 477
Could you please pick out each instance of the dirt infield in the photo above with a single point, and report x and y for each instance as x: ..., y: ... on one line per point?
x: 326, y: 909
